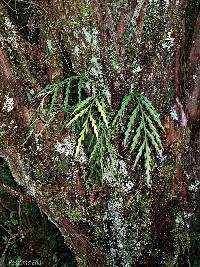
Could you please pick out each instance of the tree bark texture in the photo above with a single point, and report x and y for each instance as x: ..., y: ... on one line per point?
x: 152, y: 47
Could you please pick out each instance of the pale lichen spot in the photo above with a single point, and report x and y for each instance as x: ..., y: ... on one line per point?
x: 76, y: 50
x: 66, y: 147
x: 12, y: 38
x: 128, y: 186
x: 8, y: 104
x: 174, y: 114
x: 88, y: 35
x: 168, y: 41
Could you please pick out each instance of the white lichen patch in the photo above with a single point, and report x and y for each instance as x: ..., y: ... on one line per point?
x: 8, y: 104
x: 121, y: 166
x: 174, y: 114
x: 128, y: 186
x: 81, y: 157
x: 88, y: 35
x: 91, y: 37
x: 112, y: 174
x: 137, y: 70
x: 115, y: 208
x: 168, y: 41
x: 12, y: 38
x: 2, y: 129
x: 67, y: 147
x: 194, y: 187
x: 38, y: 143
x: 77, y: 50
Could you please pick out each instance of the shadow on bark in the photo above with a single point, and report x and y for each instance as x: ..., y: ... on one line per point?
x: 26, y: 234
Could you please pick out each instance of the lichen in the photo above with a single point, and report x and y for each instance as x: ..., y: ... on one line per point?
x: 8, y: 104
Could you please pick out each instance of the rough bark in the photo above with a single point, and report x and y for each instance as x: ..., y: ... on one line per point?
x: 124, y: 46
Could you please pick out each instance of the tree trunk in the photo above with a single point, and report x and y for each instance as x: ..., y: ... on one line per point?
x: 152, y: 47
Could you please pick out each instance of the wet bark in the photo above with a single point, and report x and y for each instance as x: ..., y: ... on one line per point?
x: 131, y: 45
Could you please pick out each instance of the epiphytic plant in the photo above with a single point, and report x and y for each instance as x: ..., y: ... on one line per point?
x: 90, y: 114
x: 141, y: 134
x: 93, y: 115
x: 54, y: 90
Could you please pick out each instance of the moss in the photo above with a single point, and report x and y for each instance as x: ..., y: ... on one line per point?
x: 85, y: 13
x: 80, y: 262
x: 98, y: 233
x: 45, y: 194
x: 74, y: 214
x: 168, y: 171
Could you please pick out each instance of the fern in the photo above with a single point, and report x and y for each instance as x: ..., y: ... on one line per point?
x: 130, y: 124
x: 55, y: 106
x: 124, y: 104
x: 93, y: 115
x: 67, y: 84
x: 31, y: 129
x: 141, y: 133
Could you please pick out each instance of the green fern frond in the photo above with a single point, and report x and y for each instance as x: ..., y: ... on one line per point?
x: 139, y: 154
x: 125, y: 101
x: 136, y: 137
x: 94, y: 125
x: 101, y: 110
x: 90, y: 115
x: 141, y: 133
x: 66, y: 94
x: 148, y: 161
x: 82, y: 136
x: 95, y: 121
x: 148, y: 105
x: 131, y: 123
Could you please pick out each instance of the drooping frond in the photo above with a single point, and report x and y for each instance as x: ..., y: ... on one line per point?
x: 94, y: 121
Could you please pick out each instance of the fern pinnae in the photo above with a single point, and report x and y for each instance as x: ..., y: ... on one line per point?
x: 101, y: 111
x: 124, y: 104
x: 130, y: 124
x: 101, y: 160
x: 54, y: 97
x: 136, y: 137
x: 80, y: 85
x: 82, y: 104
x: 153, y: 141
x: 154, y: 131
x: 82, y: 136
x: 148, y: 160
x: 139, y: 154
x: 94, y: 125
x: 67, y: 92
x: 94, y: 151
x: 148, y: 105
x: 77, y: 116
